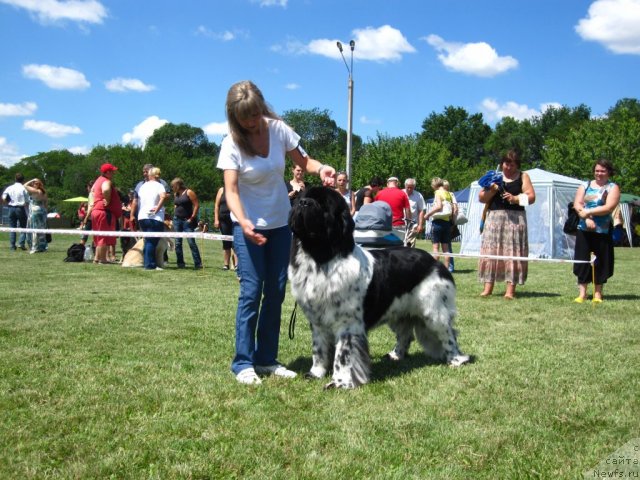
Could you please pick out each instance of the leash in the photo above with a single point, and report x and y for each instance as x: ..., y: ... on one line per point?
x: 292, y: 322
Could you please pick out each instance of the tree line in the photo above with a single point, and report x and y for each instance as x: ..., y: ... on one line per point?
x: 452, y: 144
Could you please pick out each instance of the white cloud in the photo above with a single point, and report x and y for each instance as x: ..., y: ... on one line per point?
x: 369, y: 121
x: 17, y: 110
x: 51, y: 11
x: 59, y: 78
x: 80, y: 150
x: 217, y: 129
x: 128, y: 85
x: 479, y: 59
x: 8, y: 153
x: 224, y: 36
x: 613, y: 23
x: 271, y: 3
x: 144, y: 130
x: 383, y: 44
x: 494, y: 111
x: 292, y: 86
x: 51, y: 129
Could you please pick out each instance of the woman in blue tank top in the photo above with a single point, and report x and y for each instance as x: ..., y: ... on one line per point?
x: 594, y: 202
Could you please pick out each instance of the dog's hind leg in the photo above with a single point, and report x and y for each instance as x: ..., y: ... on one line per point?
x: 403, y: 329
x: 438, y: 339
x: 351, y: 364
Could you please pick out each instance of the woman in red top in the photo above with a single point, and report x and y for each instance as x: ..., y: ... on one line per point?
x: 106, y: 211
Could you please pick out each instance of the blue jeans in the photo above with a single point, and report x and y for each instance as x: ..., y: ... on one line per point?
x: 180, y: 225
x: 17, y: 219
x: 263, y: 276
x: 150, y: 243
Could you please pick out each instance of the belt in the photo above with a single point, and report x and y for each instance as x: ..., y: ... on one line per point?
x: 16, y: 206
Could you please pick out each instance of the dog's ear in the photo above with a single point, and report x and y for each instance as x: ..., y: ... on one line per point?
x: 348, y: 224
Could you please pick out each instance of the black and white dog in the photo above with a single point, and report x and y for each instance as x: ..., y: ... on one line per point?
x: 345, y: 290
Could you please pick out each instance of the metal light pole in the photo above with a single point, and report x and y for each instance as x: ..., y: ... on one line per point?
x: 352, y: 45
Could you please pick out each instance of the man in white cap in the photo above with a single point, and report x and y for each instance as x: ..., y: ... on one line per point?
x: 416, y: 202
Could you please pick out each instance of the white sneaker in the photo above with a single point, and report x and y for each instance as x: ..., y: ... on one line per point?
x: 277, y: 370
x: 248, y: 377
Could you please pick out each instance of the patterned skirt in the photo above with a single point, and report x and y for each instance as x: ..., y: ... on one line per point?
x: 505, y: 234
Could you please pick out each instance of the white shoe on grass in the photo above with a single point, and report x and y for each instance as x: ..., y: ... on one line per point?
x: 276, y: 370
x: 248, y: 377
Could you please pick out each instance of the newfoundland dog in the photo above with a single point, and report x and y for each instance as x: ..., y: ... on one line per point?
x: 345, y: 290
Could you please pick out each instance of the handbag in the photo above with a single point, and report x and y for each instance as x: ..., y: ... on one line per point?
x: 446, y: 211
x: 571, y: 225
x: 48, y: 237
x: 461, y: 218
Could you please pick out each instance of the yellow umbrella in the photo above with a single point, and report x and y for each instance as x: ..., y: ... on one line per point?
x: 77, y: 199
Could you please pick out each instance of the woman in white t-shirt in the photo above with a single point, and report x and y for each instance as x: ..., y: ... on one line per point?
x: 151, y: 197
x: 253, y: 160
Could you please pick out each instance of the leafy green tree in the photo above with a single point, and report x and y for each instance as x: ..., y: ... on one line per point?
x: 191, y: 141
x: 576, y: 154
x: 624, y: 109
x: 462, y: 134
x: 521, y: 135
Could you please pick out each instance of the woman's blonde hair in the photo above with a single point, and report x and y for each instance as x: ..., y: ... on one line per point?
x: 154, y: 172
x: 243, y: 100
x: 436, y: 183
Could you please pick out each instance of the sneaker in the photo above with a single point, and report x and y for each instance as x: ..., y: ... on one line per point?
x: 22, y: 247
x: 276, y: 370
x: 225, y: 267
x: 198, y: 267
x: 248, y: 377
x: 159, y: 269
x: 181, y: 265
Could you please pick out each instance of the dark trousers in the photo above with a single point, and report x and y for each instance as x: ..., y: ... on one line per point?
x: 17, y: 219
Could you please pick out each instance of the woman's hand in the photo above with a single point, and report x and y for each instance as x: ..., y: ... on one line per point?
x: 250, y: 233
x: 584, y: 213
x: 507, y: 197
x: 590, y: 223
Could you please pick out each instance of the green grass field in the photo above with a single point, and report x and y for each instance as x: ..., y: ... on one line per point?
x: 108, y: 372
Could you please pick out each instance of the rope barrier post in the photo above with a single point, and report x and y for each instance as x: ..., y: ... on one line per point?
x: 593, y: 276
x: 201, y: 248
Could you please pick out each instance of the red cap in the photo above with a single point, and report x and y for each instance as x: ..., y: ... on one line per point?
x: 107, y: 167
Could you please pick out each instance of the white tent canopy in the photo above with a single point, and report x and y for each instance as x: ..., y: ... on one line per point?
x: 545, y: 218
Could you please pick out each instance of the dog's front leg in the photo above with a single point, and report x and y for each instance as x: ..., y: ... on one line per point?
x: 322, y: 350
x: 351, y: 364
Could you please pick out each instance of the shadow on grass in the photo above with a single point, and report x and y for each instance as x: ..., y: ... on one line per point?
x: 621, y: 297
x: 522, y: 294
x: 383, y: 367
x: 463, y: 272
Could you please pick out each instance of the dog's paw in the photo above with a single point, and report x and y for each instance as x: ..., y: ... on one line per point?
x: 459, y: 360
x: 337, y: 384
x: 310, y: 376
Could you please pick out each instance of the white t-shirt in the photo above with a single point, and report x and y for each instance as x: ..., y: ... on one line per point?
x: 148, y: 197
x: 16, y: 194
x: 416, y: 202
x: 261, y: 186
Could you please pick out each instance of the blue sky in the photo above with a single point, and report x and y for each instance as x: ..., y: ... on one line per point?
x: 75, y: 74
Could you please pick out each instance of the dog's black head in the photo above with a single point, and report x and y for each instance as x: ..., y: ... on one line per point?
x: 322, y: 222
